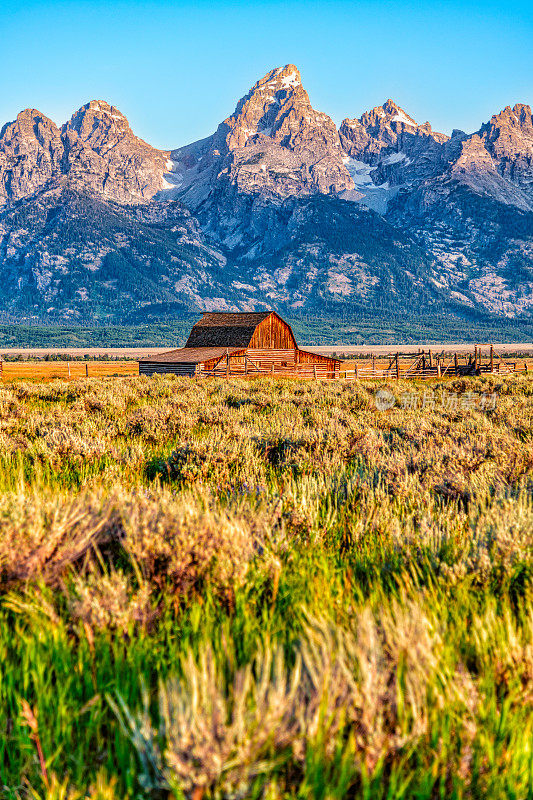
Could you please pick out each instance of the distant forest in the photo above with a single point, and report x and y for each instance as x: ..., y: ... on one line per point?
x: 353, y: 330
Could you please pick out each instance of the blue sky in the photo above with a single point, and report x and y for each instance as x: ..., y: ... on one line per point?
x: 176, y: 69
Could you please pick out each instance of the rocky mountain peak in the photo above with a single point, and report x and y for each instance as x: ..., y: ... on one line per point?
x: 387, y: 130
x: 101, y: 126
x: 31, y: 127
x: 103, y: 153
x: 285, y: 78
x: 96, y: 149
x: 274, y: 88
x: 271, y: 98
x: 96, y: 110
x: 518, y: 117
x: 498, y: 159
x: 397, y: 114
x: 30, y: 154
x: 275, y: 144
x: 386, y: 116
x: 509, y: 133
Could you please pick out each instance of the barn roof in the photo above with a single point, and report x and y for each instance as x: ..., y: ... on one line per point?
x: 217, y: 328
x: 190, y: 355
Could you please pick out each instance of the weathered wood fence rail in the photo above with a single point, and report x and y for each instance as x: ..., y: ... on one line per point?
x: 46, y: 370
x: 424, y: 365
x: 250, y: 370
x: 428, y: 365
x: 420, y: 366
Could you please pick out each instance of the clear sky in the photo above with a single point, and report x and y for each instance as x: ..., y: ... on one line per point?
x: 176, y: 69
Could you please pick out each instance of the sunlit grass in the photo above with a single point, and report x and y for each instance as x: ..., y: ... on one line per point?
x: 269, y: 589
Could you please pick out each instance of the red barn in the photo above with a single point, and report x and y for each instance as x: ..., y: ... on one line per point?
x: 241, y: 344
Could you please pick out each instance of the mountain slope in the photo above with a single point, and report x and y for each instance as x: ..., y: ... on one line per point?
x: 465, y: 198
x: 275, y: 144
x: 276, y: 208
x: 96, y: 149
x: 71, y: 255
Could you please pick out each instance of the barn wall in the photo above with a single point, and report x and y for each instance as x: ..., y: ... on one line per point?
x: 272, y: 333
x: 304, y: 357
x: 266, y: 356
x: 212, y: 362
x: 176, y: 368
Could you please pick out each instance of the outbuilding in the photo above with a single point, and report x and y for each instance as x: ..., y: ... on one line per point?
x: 241, y: 344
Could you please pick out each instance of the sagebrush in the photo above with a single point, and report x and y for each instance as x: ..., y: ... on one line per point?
x: 265, y: 589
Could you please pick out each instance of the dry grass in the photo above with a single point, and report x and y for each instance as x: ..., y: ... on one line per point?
x: 281, y: 591
x: 48, y: 370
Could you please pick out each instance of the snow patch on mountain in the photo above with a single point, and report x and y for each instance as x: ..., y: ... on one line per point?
x: 401, y: 116
x: 290, y: 80
x: 367, y: 193
x: 395, y: 158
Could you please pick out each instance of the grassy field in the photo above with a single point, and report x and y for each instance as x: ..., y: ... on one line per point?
x: 42, y: 370
x: 266, y: 589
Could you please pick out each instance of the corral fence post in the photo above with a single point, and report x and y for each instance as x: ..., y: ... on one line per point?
x: 397, y: 366
x: 86, y: 370
x: 314, y: 371
x: 68, y: 368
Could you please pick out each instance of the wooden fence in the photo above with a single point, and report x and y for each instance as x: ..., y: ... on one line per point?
x: 427, y: 365
x: 251, y: 370
x: 424, y: 365
x: 46, y: 370
x: 420, y: 366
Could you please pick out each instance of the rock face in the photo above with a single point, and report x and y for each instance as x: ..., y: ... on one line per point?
x: 498, y: 159
x: 509, y: 139
x: 104, y: 155
x: 387, y: 146
x: 274, y: 145
x: 31, y: 154
x: 385, y: 130
x: 276, y: 207
x: 95, y: 150
x: 387, y: 150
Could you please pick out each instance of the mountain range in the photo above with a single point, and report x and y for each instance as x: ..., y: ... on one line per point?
x: 278, y: 208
